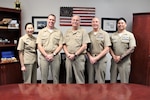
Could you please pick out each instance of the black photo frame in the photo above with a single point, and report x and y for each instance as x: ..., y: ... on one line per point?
x: 109, y: 24
x: 39, y: 22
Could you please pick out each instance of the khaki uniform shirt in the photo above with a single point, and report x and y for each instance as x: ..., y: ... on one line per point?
x: 74, y: 40
x: 49, y: 40
x: 28, y: 45
x: 99, y: 41
x: 123, y: 42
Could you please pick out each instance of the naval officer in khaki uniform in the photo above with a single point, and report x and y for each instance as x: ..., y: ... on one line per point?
x: 49, y: 42
x: 75, y: 44
x: 27, y: 54
x: 97, y: 50
x: 123, y: 44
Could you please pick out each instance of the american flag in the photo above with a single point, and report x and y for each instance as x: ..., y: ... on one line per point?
x: 86, y: 14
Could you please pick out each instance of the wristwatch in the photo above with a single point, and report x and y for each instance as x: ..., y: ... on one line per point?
x: 54, y: 54
x: 75, y: 54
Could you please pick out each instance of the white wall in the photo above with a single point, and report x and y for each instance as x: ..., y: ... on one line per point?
x: 104, y: 8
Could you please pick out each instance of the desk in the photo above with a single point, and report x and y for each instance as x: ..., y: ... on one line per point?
x: 74, y: 92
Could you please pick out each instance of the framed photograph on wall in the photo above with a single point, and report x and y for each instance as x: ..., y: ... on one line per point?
x: 109, y: 24
x: 39, y: 22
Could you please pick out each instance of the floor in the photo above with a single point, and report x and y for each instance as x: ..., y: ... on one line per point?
x: 118, y: 91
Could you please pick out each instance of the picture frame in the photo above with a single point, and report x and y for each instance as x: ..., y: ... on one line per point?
x: 109, y: 24
x: 39, y: 22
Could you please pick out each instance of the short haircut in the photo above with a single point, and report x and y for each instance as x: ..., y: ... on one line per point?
x: 52, y: 15
x: 121, y: 18
x: 28, y: 24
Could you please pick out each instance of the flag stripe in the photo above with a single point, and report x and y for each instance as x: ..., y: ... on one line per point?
x: 82, y: 18
x: 86, y: 14
x: 83, y: 21
x: 69, y: 24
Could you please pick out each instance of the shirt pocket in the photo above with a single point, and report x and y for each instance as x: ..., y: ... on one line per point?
x: 44, y: 39
x: 56, y: 39
x: 125, y: 41
x: 114, y: 39
x: 78, y: 39
x: 100, y: 38
x: 27, y: 44
x: 33, y: 46
x: 67, y: 38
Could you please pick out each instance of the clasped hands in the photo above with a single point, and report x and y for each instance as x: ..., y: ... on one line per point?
x: 117, y: 58
x: 71, y: 56
x: 49, y: 57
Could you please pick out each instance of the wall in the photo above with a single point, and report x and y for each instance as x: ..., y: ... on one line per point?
x: 104, y: 8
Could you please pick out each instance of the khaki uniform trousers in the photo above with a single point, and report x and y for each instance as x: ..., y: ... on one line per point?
x: 76, y: 67
x: 97, y: 71
x: 30, y: 75
x: 123, y: 69
x: 55, y: 68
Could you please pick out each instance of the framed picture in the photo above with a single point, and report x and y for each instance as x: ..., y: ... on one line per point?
x: 39, y: 22
x: 109, y: 24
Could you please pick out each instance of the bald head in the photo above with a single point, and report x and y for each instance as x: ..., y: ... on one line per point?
x: 75, y: 21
